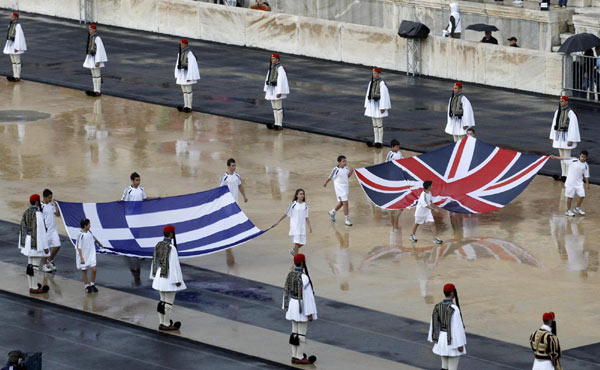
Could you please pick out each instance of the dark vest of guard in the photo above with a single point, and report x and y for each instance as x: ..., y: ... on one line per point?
x: 456, y: 106
x: 273, y: 74
x: 182, y: 59
x: 29, y: 226
x: 12, y: 30
x: 441, y: 319
x: 161, y: 258
x: 91, y: 44
x: 562, y: 119
x: 293, y: 286
x: 374, y: 89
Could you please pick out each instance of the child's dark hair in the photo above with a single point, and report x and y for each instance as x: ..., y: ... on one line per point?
x: 83, y: 223
x: 296, y: 194
x: 134, y: 176
x: 394, y: 143
x: 584, y: 152
x: 47, y: 193
x: 471, y: 129
x: 427, y: 184
x: 230, y: 161
x: 340, y: 158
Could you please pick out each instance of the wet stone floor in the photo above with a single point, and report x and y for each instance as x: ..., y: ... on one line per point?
x: 510, y: 266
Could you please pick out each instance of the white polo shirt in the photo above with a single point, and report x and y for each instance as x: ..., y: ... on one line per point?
x: 577, y: 171
x: 131, y: 194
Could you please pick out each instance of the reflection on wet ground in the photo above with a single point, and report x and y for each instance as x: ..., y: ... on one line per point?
x: 87, y: 148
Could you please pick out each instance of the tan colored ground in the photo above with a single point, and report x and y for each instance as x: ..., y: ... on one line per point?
x: 88, y: 148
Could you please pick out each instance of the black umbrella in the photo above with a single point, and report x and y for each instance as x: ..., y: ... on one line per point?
x: 482, y: 27
x: 579, y: 42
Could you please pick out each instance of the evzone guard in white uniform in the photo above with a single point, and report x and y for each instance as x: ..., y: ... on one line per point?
x: 15, y: 46
x: 33, y: 243
x: 300, y: 306
x: 276, y: 89
x: 167, y: 276
x: 564, y: 133
x: 186, y: 74
x: 94, y: 59
x: 545, y: 345
x: 377, y: 104
x: 447, y: 330
x: 460, y: 113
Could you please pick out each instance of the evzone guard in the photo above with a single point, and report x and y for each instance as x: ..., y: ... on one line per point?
x: 447, y: 329
x: 377, y: 104
x: 186, y: 74
x: 15, y: 46
x: 95, y: 59
x: 460, y: 113
x: 300, y: 306
x: 167, y: 276
x: 276, y: 89
x: 545, y: 345
x: 33, y: 243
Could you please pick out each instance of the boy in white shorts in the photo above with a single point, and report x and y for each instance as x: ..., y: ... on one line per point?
x: 423, y: 213
x: 50, y: 210
x: 577, y: 169
x: 340, y: 175
x: 85, y: 250
x: 233, y: 181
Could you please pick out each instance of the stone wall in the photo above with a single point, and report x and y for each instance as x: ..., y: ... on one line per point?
x: 535, y: 29
x: 346, y: 42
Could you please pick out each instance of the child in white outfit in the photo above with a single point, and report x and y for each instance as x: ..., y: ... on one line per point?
x: 340, y: 175
x: 298, y: 214
x: 85, y: 255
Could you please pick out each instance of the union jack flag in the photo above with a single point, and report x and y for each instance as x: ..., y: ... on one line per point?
x: 468, y: 176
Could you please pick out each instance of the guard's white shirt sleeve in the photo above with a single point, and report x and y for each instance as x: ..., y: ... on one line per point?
x: 42, y: 237
x: 175, y: 274
x: 309, y: 306
x: 552, y: 131
x: 100, y: 56
x: 192, y: 73
x: 573, y: 133
x: 20, y: 44
x: 282, y: 82
x: 384, y: 100
x: 459, y: 337
x: 468, y: 118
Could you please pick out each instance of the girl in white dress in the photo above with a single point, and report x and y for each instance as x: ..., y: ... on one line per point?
x: 298, y: 214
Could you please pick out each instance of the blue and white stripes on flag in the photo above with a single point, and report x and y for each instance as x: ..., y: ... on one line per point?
x: 205, y: 222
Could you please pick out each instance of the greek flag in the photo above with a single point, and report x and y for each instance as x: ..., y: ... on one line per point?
x: 205, y: 222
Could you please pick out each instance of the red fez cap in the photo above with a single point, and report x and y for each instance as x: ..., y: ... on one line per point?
x: 16, y: 14
x: 275, y: 55
x: 377, y: 69
x: 184, y: 41
x: 449, y: 287
x: 169, y: 229
x: 548, y: 316
x: 553, y: 315
x: 565, y: 98
x: 459, y: 84
x: 299, y: 257
x: 93, y: 26
x: 34, y: 197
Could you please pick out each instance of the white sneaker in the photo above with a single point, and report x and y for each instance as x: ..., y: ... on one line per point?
x: 580, y: 211
x: 52, y: 265
x: 413, y: 238
x: 332, y: 216
x: 570, y: 213
x: 348, y: 222
x: 47, y: 268
x: 437, y: 241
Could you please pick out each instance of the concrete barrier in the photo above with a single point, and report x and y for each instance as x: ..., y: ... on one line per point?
x: 346, y: 42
